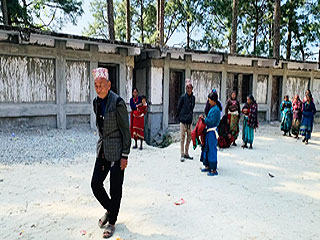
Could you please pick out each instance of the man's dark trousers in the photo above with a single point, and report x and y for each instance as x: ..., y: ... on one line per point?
x: 100, y: 172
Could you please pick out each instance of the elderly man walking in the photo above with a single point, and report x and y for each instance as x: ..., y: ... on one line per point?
x: 185, y: 115
x: 113, y: 148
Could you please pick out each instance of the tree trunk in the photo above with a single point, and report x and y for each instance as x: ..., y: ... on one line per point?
x: 128, y: 22
x: 256, y: 26
x: 141, y: 21
x: 255, y: 37
x: 289, y: 42
x: 110, y: 19
x: 276, y: 36
x: 188, y: 35
x: 161, y: 22
x: 233, y: 47
x: 4, y: 8
x: 270, y: 39
x: 319, y: 58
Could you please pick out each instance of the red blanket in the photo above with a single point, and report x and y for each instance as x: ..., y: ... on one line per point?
x: 197, y: 134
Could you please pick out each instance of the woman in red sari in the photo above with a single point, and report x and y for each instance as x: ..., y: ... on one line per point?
x: 137, y: 122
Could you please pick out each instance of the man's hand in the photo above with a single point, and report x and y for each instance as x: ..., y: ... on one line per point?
x: 123, y: 163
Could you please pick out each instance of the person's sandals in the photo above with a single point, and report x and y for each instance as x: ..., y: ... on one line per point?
x: 212, y: 173
x: 182, y: 159
x: 103, y: 220
x: 108, y: 231
x: 205, y: 170
x: 188, y: 157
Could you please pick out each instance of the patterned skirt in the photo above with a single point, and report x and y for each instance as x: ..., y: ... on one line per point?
x: 234, y: 125
x: 295, y: 126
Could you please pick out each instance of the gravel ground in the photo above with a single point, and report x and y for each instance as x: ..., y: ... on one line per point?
x: 46, y: 145
x: 270, y: 192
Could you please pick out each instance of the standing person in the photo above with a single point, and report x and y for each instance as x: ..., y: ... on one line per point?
x: 135, y: 101
x: 138, y: 121
x: 232, y: 110
x: 286, y: 115
x: 209, y: 154
x: 297, y: 115
x: 305, y: 96
x: 113, y: 148
x: 308, y: 112
x: 250, y: 121
x: 185, y: 115
x: 208, y: 106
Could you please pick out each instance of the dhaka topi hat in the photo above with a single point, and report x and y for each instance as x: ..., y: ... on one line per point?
x: 100, y: 73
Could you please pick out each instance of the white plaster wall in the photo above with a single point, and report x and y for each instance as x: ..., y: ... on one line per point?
x: 316, y: 91
x: 295, y: 85
x: 129, y: 83
x: 77, y: 80
x: 262, y: 88
x: 25, y: 79
x: 156, y: 85
x: 203, y: 82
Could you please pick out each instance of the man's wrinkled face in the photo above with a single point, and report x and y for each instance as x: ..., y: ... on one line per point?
x: 102, y: 87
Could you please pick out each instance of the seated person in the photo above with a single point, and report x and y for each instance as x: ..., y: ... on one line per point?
x: 225, y: 138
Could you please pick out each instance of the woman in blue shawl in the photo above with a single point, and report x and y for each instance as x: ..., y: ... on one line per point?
x: 286, y: 115
x: 209, y: 153
x: 250, y: 121
x: 308, y: 112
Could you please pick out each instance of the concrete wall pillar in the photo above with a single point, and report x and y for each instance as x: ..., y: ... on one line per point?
x: 284, y: 79
x: 93, y: 65
x: 255, y: 78
x: 188, y: 66
x: 269, y: 96
x: 311, y: 80
x: 61, y: 91
x: 165, y: 92
x: 223, y: 92
x: 123, y: 75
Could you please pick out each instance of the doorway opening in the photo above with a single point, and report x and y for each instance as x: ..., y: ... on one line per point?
x: 175, y: 90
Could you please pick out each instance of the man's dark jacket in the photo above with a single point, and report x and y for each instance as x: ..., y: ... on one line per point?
x: 113, y: 126
x: 185, y: 108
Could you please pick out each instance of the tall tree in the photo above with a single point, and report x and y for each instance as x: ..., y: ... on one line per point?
x: 99, y: 27
x: 110, y: 19
x: 142, y: 20
x: 276, y: 35
x: 188, y: 14
x: 233, y: 47
x: 44, y: 14
x: 128, y: 21
x: 160, y: 23
x: 4, y: 8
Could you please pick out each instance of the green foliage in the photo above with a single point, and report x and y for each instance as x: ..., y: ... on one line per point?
x: 45, y: 14
x: 99, y: 27
x: 207, y: 24
x: 185, y: 16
